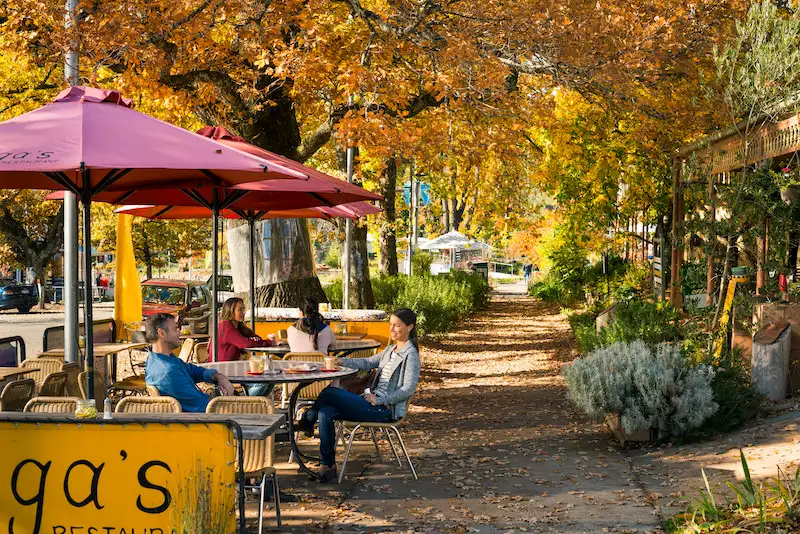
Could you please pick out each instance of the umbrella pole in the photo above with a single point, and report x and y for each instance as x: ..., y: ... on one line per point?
x: 88, y: 324
x: 251, y: 223
x: 214, y: 259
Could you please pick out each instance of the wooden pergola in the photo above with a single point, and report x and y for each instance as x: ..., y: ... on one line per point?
x: 723, y: 154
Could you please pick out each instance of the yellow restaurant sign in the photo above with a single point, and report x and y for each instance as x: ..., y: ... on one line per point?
x: 116, y: 479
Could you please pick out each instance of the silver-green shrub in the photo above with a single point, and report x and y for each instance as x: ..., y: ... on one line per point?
x: 647, y: 387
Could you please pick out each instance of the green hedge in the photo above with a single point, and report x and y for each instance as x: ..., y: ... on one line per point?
x: 439, y: 301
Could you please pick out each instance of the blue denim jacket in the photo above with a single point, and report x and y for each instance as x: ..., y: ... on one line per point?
x: 176, y: 378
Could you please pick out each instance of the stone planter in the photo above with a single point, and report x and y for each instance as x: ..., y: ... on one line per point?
x: 625, y: 439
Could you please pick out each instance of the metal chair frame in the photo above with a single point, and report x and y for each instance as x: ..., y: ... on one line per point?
x: 385, y: 427
x: 254, y: 462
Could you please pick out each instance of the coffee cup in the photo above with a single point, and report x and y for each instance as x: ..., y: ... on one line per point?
x: 272, y: 338
x: 330, y: 363
x: 257, y: 364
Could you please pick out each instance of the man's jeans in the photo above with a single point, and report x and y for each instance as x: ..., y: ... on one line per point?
x: 334, y: 403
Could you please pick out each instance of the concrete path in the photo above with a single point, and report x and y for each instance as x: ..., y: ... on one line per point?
x: 499, y: 448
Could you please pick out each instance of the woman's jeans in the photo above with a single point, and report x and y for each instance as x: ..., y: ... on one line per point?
x: 338, y: 404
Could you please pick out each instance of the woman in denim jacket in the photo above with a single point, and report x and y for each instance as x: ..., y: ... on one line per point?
x: 398, y: 373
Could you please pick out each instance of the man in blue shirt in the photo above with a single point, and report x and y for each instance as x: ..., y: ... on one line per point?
x: 173, y: 376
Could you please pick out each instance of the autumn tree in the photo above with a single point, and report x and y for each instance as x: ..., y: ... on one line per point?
x: 31, y: 231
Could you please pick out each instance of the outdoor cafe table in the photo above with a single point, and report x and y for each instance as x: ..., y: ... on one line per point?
x: 101, y: 363
x: 12, y: 373
x: 236, y: 372
x: 339, y: 348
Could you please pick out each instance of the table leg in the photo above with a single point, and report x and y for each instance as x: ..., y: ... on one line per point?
x: 298, y: 456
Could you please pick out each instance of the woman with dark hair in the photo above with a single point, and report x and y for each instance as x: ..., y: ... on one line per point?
x: 234, y: 336
x: 310, y: 333
x: 385, y: 400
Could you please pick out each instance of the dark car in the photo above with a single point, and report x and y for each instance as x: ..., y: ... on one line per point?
x: 189, y: 300
x: 23, y: 297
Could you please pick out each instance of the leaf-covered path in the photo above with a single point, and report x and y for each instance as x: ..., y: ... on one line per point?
x: 496, y: 444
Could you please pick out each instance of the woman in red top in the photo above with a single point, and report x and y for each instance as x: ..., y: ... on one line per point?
x: 235, y: 336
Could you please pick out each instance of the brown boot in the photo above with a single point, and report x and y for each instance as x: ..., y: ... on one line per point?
x: 327, y: 473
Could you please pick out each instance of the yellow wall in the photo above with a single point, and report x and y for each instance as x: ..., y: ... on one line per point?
x: 377, y: 330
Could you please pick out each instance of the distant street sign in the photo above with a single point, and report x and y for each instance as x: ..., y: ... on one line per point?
x: 424, y: 193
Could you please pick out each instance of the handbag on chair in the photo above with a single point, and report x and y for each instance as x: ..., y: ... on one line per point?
x: 357, y: 384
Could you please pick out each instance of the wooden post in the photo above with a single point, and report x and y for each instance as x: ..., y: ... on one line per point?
x: 712, y: 238
x: 677, y: 240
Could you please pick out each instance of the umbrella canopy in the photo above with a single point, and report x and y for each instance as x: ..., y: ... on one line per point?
x: 222, y: 135
x: 352, y: 210
x: 90, y: 136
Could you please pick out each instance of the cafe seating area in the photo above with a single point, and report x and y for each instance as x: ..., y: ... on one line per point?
x: 45, y: 384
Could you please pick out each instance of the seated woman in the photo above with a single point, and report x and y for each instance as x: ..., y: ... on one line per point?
x: 310, y: 333
x: 234, y: 336
x: 398, y: 373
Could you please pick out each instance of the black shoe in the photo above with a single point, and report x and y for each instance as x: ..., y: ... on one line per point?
x: 327, y: 473
x: 305, y: 426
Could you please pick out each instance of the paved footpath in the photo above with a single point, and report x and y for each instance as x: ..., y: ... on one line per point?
x: 499, y: 448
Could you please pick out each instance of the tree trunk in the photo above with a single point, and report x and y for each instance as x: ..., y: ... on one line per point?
x: 148, y: 260
x: 388, y: 237
x: 40, y: 270
x: 445, y: 216
x: 794, y: 238
x: 361, y: 296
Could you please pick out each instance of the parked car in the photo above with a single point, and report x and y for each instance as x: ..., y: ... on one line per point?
x: 224, y: 286
x: 23, y: 297
x: 189, y: 300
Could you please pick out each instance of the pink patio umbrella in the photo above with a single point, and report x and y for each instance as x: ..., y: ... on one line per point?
x: 89, y: 141
x: 353, y: 210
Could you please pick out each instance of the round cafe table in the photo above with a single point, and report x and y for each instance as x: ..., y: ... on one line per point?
x: 236, y: 371
x: 339, y: 348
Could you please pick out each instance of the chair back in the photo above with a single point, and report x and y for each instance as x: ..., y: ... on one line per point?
x: 257, y: 453
x: 72, y: 388
x: 149, y: 405
x: 12, y: 351
x: 82, y: 385
x: 187, y: 349
x: 43, y: 367
x: 16, y: 395
x: 283, y: 333
x: 52, y: 405
x: 54, y: 385
x: 311, y: 391
x: 201, y: 352
x: 153, y: 391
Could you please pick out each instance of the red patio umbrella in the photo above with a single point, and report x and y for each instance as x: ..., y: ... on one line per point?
x: 90, y: 141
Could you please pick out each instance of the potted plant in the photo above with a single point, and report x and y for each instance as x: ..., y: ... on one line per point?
x: 643, y: 392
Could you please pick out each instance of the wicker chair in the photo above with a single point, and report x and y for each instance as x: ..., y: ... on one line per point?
x: 153, y: 391
x: 82, y: 385
x: 72, y: 388
x: 201, y: 352
x: 52, y: 405
x: 16, y: 395
x: 283, y: 334
x: 54, y: 385
x: 387, y: 428
x: 312, y: 391
x: 43, y: 367
x: 149, y: 405
x: 258, y: 454
x: 187, y: 350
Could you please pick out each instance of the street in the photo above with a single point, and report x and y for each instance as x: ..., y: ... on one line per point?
x: 31, y: 326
